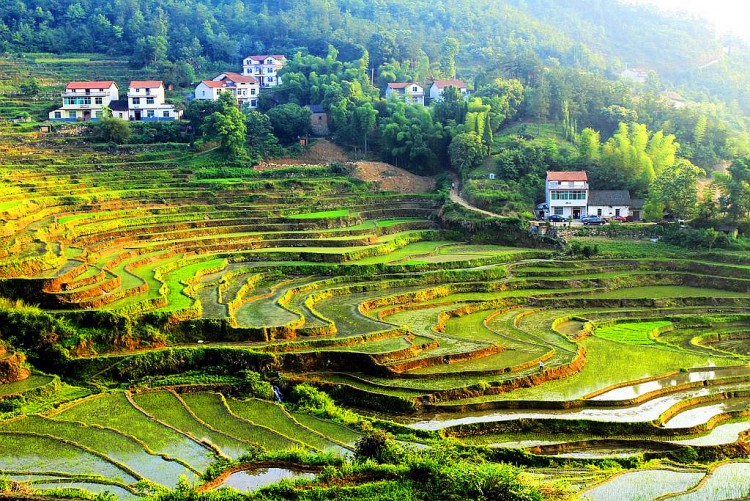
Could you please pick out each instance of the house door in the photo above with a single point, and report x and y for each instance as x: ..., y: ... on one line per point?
x: 138, y: 115
x: 576, y: 213
x: 87, y: 115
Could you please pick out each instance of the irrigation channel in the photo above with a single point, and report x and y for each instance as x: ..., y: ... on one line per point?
x: 165, y: 288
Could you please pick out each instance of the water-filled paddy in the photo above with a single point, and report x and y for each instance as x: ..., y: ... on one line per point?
x: 647, y: 484
x: 254, y: 479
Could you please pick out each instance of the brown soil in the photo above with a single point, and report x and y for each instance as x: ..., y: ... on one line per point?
x: 320, y: 153
x: 391, y: 178
x: 388, y: 177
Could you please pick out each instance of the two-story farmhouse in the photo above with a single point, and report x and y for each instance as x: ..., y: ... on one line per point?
x: 146, y: 101
x: 567, y: 193
x: 265, y: 69
x: 85, y: 100
x: 244, y: 88
x: 409, y: 92
x: 438, y: 86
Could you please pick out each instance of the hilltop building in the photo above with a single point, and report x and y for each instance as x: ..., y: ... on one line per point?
x: 567, y: 193
x: 85, y: 100
x: 637, y: 75
x: 244, y: 88
x: 146, y: 102
x: 265, y: 69
x: 438, y: 86
x: 318, y: 120
x: 409, y: 92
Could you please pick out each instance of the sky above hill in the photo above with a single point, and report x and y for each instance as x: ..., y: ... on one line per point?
x: 728, y: 16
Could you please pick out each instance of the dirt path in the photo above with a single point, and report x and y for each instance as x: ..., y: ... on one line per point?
x: 455, y: 195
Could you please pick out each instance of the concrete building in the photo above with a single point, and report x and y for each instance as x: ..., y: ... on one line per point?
x: 318, y: 120
x: 438, y: 86
x: 265, y: 69
x: 609, y: 203
x: 85, y: 100
x: 567, y: 194
x: 408, y: 92
x: 244, y: 88
x: 146, y: 101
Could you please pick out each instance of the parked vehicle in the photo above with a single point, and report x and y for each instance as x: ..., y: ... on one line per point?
x: 592, y: 220
x: 622, y: 219
x: 556, y: 218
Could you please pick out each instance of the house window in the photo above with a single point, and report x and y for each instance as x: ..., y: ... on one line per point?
x: 150, y: 113
x: 166, y: 114
x: 269, y: 61
x: 98, y: 100
x: 58, y: 114
x: 136, y: 100
x: 559, y: 211
x: 203, y: 93
x: 252, y: 92
x: 72, y: 114
x: 568, y: 195
x: 149, y: 100
x: 77, y: 100
x: 253, y: 103
x: 98, y: 114
x: 617, y: 212
x: 414, y: 89
x: 270, y: 79
x: 598, y: 212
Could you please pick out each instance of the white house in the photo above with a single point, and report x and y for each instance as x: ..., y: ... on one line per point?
x: 265, y: 69
x: 85, y: 100
x: 638, y: 75
x: 438, y: 86
x: 409, y: 92
x: 146, y: 101
x: 567, y: 193
x: 244, y: 88
x: 609, y: 203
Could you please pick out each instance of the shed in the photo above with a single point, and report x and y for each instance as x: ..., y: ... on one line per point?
x: 318, y: 120
x: 609, y: 203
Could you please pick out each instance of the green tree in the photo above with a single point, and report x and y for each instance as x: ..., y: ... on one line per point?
x: 589, y: 146
x: 466, y: 152
x: 448, y: 51
x: 261, y: 142
x: 290, y: 121
x: 675, y: 189
x: 452, y: 109
x: 114, y: 130
x: 734, y: 187
x: 228, y: 126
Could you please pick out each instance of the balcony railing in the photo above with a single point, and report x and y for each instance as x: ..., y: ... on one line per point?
x: 68, y: 93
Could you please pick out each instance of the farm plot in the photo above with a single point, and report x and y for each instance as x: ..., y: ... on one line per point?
x: 319, y: 279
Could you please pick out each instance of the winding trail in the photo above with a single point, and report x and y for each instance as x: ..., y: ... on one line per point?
x: 455, y: 197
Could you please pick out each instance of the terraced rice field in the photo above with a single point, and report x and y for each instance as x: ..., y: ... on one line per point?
x: 366, y: 295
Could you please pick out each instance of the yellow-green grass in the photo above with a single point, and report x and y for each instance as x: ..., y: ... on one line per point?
x: 210, y: 408
x: 33, y: 381
x: 30, y: 453
x: 667, y: 291
x: 115, y: 446
x: 408, y: 251
x: 321, y: 215
x: 168, y: 408
x: 273, y: 415
x: 608, y: 363
x: 114, y: 411
x: 631, y: 333
x: 327, y: 428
